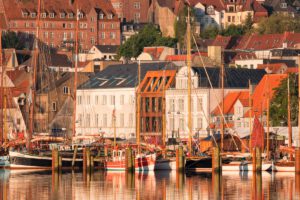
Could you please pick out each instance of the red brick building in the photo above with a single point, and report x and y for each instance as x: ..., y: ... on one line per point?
x: 98, y: 23
x: 132, y: 10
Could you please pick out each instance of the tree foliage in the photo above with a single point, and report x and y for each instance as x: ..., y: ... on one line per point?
x: 150, y: 35
x: 279, y: 23
x: 210, y: 32
x: 279, y: 103
x: 10, y: 40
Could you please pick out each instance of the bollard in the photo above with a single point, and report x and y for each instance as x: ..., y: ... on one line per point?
x: 254, y: 159
x: 258, y: 160
x: 297, y: 160
x: 216, y: 160
x: 55, y: 159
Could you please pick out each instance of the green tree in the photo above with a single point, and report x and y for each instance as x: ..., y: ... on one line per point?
x: 150, y: 35
x: 278, y: 23
x: 11, y: 40
x: 248, y: 24
x: 233, y: 30
x: 278, y: 106
x: 210, y: 32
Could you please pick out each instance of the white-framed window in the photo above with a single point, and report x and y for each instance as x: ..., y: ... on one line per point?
x: 79, y: 100
x: 101, y: 16
x: 96, y: 100
x: 181, y: 105
x: 181, y: 124
x: 103, y: 35
x: 130, y: 122
x: 199, y: 104
x: 122, y: 99
x: 171, y: 127
x: 131, y: 99
x: 43, y: 15
x: 80, y: 120
x: 51, y: 15
x: 33, y: 15
x: 104, y: 121
x: 65, y: 36
x: 121, y: 120
x: 24, y: 14
x: 112, y: 26
x: 112, y: 35
x: 92, y: 40
x: 51, y: 35
x: 26, y: 24
x: 70, y: 15
x: 53, y: 107
x: 137, y: 5
x: 199, y: 123
x: 66, y: 90
x: 104, y: 100
x: 112, y: 100
x: 96, y: 120
x: 88, y: 99
x: 88, y: 120
x: 62, y: 15
x: 45, y: 34
x: 172, y: 105
x: 110, y: 16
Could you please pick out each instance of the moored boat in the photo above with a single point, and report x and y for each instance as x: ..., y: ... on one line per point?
x: 287, y: 166
x: 244, y: 166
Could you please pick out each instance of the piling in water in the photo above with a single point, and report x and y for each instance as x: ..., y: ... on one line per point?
x: 74, y: 156
x: 297, y: 160
x: 105, y: 151
x: 216, y: 160
x: 60, y: 163
x: 180, y: 159
x: 258, y: 159
x: 92, y: 163
x: 254, y: 159
x: 55, y: 160
x: 88, y: 159
x: 129, y: 160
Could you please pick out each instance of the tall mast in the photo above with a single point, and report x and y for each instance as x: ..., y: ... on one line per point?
x: 189, y: 81
x: 114, y: 126
x: 36, y: 54
x: 138, y: 113
x: 2, y: 91
x: 268, y: 120
x: 76, y: 68
x: 289, y: 115
x: 250, y: 114
x: 299, y: 100
x: 222, y: 107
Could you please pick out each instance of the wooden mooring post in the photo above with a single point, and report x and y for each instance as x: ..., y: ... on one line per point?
x: 74, y: 156
x: 297, y: 160
x: 87, y: 160
x: 55, y: 159
x: 254, y: 160
x: 129, y: 160
x: 258, y: 160
x: 216, y: 160
x: 180, y: 159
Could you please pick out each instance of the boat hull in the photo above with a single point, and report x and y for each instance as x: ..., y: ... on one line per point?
x: 237, y: 166
x: 24, y: 161
x: 4, y: 161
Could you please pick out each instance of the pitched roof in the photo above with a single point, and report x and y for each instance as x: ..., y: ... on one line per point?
x: 234, y: 77
x: 264, y: 89
x: 229, y: 102
x: 122, y: 75
x: 272, y: 67
x: 107, y: 48
x: 217, y: 4
x: 155, y: 52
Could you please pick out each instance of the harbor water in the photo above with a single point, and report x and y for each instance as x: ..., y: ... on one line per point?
x: 144, y: 186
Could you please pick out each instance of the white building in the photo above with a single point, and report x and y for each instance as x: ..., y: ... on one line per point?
x: 209, y: 15
x: 99, y: 52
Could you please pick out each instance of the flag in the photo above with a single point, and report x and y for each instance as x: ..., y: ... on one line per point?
x: 257, y: 134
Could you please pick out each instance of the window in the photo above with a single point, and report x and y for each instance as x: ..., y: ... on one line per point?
x: 131, y: 99
x: 199, y: 104
x: 199, y: 123
x: 137, y: 17
x: 102, y: 26
x: 110, y: 16
x: 121, y: 120
x: 71, y: 25
x: 71, y: 35
x: 233, y: 18
x: 130, y: 122
x: 33, y: 15
x: 238, y: 124
x: 92, y: 29
x: 103, y: 35
x: 51, y: 15
x: 43, y: 15
x: 65, y: 36
x: 210, y: 10
x: 88, y: 120
x: 96, y: 120
x: 80, y: 120
x: 122, y: 99
x: 26, y: 24
x: 80, y: 15
x: 92, y: 19
x: 181, y: 105
x: 103, y: 100
x: 79, y: 100
x: 51, y: 35
x: 283, y: 5
x: 137, y: 5
x: 96, y: 100
x: 92, y: 40
x: 53, y: 106
x: 88, y: 99
x: 66, y: 90
x: 171, y: 124
x: 70, y: 15
x: 181, y: 124
x: 62, y: 15
x: 172, y: 105
x: 112, y: 26
x: 229, y: 19
x: 25, y: 14
x: 101, y: 16
x: 104, y: 124
x: 112, y: 35
x: 112, y: 100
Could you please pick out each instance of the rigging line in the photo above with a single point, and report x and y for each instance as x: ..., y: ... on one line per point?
x: 222, y: 114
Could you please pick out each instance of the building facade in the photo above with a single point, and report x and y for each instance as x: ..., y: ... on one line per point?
x: 98, y: 23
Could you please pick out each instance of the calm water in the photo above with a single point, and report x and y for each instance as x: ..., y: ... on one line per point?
x: 162, y: 185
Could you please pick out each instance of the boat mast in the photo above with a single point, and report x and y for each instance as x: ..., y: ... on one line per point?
x: 289, y: 115
x: 114, y: 125
x: 36, y: 53
x: 189, y: 81
x: 138, y: 118
x: 299, y: 100
x: 2, y: 91
x: 75, y: 75
x: 222, y: 95
x: 268, y: 120
x: 250, y: 114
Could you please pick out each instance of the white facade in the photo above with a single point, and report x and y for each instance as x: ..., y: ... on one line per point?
x: 95, y: 108
x: 249, y: 63
x: 208, y: 15
x: 95, y: 53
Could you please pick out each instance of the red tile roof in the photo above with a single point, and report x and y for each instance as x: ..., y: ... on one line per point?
x: 272, y: 67
x: 229, y: 102
x: 155, y: 52
x: 183, y: 57
x: 264, y: 89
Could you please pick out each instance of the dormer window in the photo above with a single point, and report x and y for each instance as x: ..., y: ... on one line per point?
x: 43, y: 15
x: 101, y: 16
x: 24, y: 13
x: 110, y: 16
x: 51, y: 15
x: 62, y: 15
x: 283, y: 5
x: 33, y: 15
x: 70, y: 15
x: 210, y: 10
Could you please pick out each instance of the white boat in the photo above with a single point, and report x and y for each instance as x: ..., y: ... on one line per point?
x: 284, y: 167
x: 244, y: 166
x: 4, y: 162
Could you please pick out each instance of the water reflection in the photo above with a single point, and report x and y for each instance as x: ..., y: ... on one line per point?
x: 161, y: 185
